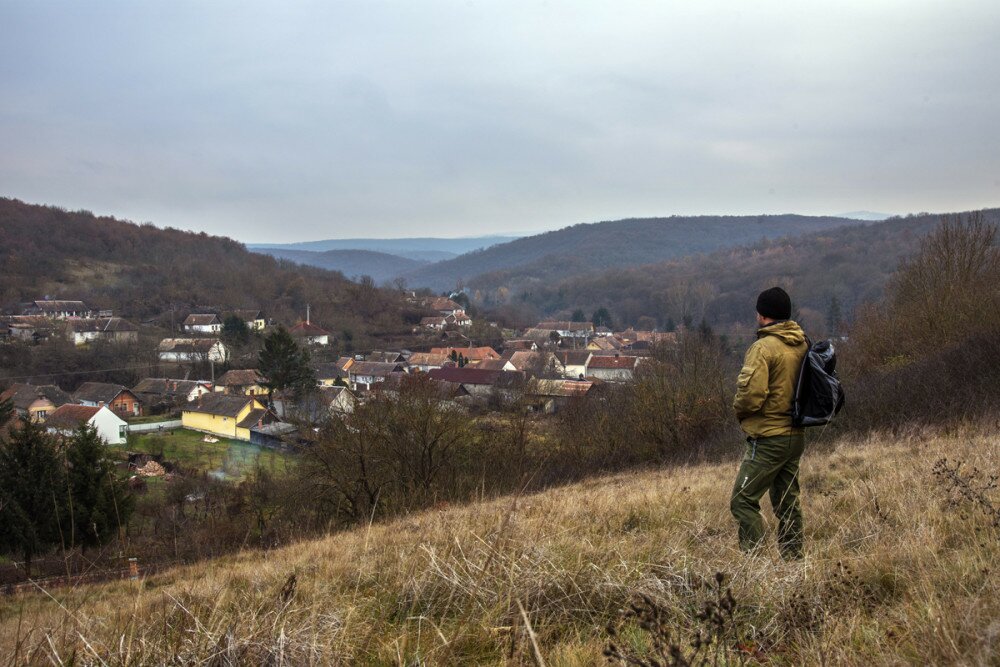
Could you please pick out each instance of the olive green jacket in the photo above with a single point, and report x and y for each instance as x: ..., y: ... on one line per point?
x: 766, y: 385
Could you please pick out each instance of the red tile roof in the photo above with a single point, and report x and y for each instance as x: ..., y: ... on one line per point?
x: 23, y: 395
x: 470, y: 353
x: 201, y: 319
x: 70, y: 416
x: 444, y: 303
x: 612, y: 362
x: 241, y: 378
x: 466, y: 375
x: 308, y: 329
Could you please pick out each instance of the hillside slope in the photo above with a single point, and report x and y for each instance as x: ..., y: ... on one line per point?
x: 142, y: 271
x: 380, y: 266
x: 851, y: 263
x: 588, y: 247
x: 894, y: 573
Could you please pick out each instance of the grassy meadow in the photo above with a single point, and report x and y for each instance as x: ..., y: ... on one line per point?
x: 900, y: 568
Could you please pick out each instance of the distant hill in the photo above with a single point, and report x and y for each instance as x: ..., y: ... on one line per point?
x: 380, y: 266
x: 142, y: 271
x: 589, y: 247
x: 423, y: 248
x: 850, y: 263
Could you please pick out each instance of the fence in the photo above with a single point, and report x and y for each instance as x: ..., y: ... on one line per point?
x: 154, y: 426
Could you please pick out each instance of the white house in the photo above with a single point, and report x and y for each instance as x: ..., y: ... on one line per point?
x: 366, y: 374
x: 85, y: 330
x: 617, y: 368
x: 574, y: 362
x: 57, y: 309
x: 568, y: 329
x: 154, y: 391
x: 459, y: 319
x: 537, y: 363
x: 445, y: 306
x: 436, y: 322
x: 203, y: 323
x: 193, y: 349
x: 426, y: 361
x: 310, y: 334
x: 66, y: 419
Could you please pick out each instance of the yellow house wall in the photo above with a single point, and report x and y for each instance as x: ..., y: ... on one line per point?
x: 217, y: 425
x: 38, y: 407
x: 214, y: 424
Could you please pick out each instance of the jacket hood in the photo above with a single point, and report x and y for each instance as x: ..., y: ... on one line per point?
x: 788, y: 331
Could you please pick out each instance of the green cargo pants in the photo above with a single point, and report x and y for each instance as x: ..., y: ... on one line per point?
x: 770, y: 465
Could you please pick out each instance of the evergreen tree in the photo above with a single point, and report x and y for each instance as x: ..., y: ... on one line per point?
x: 285, y: 364
x: 235, y: 332
x: 32, y: 493
x: 98, y: 501
x: 601, y: 318
x: 578, y: 316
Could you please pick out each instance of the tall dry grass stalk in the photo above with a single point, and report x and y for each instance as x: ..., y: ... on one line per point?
x: 896, y: 571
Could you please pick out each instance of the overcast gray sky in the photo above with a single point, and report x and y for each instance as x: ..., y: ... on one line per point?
x: 284, y: 121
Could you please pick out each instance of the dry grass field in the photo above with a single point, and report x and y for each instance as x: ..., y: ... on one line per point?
x: 900, y: 569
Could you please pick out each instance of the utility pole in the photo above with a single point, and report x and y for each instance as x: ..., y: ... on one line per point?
x: 307, y: 313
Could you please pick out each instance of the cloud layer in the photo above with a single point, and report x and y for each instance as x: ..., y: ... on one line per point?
x: 301, y: 120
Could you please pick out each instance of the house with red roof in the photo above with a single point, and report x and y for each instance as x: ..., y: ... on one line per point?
x: 473, y: 355
x: 309, y: 333
x: 612, y: 368
x: 67, y: 419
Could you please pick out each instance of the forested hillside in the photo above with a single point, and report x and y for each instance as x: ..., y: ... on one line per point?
x: 588, y: 247
x: 142, y: 271
x: 379, y: 266
x: 849, y: 264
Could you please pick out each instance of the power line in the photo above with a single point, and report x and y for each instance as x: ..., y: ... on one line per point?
x: 65, y: 373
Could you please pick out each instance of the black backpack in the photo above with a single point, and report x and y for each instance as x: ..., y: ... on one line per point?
x: 819, y: 395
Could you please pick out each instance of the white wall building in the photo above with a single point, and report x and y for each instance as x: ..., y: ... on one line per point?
x: 66, y: 419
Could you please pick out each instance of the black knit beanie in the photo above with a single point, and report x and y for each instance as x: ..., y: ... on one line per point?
x: 775, y: 304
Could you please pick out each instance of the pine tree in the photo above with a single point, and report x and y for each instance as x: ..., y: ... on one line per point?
x: 601, y: 318
x: 285, y: 364
x: 235, y: 332
x: 32, y: 493
x: 99, y: 502
x: 578, y: 316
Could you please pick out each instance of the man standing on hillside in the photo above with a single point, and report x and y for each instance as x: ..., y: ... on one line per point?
x: 764, y: 393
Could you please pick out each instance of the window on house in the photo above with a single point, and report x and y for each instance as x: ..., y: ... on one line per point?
x: 123, y: 431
